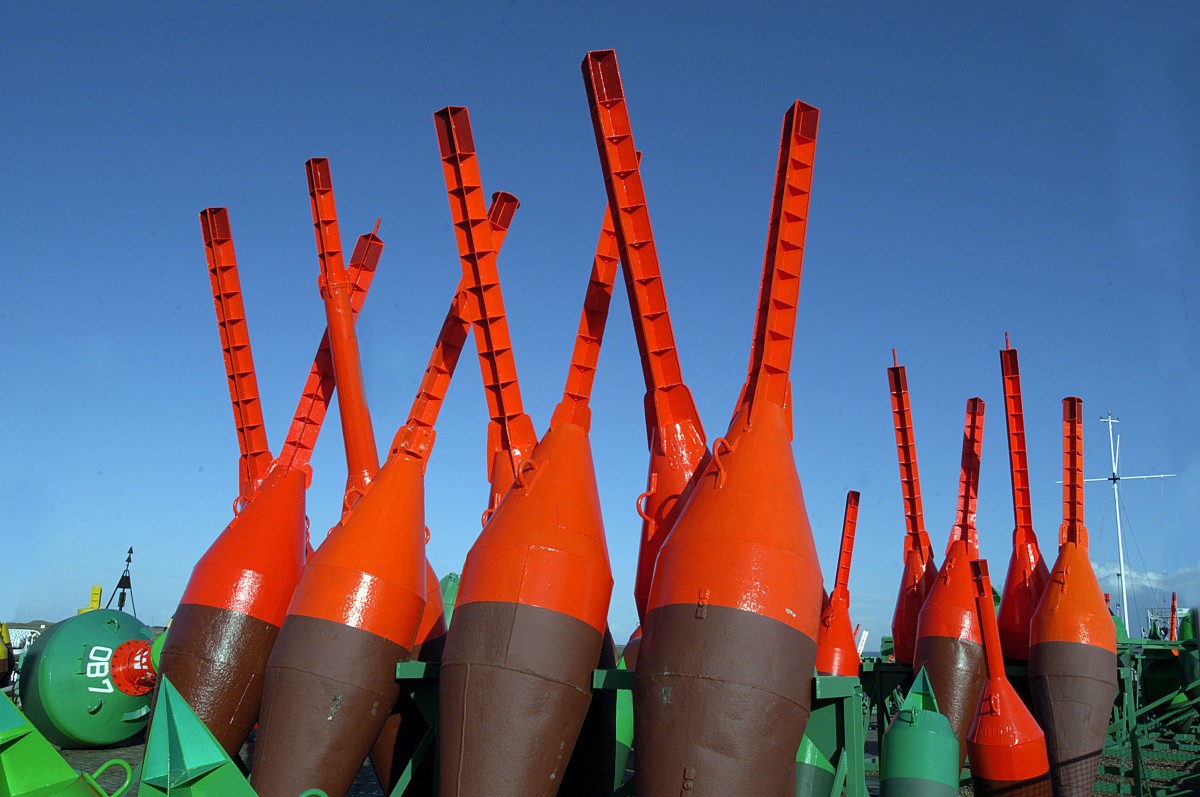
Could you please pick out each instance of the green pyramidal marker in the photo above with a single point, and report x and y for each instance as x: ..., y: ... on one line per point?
x: 182, y: 757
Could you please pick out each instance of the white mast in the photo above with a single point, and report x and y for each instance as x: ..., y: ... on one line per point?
x: 1114, y: 447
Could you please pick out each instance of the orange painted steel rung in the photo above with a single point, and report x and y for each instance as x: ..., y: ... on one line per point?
x: 319, y: 387
x: 362, y: 458
x: 906, y: 449
x: 416, y: 437
x: 968, y: 479
x: 235, y: 345
x: 775, y: 325
x: 1017, y: 453
x: 635, y: 237
x: 1072, y: 525
x: 849, y: 523
x: 511, y: 430
x: 578, y: 391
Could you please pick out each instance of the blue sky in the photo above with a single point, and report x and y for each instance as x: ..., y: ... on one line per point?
x: 979, y: 169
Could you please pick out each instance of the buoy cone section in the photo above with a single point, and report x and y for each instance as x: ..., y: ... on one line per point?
x: 516, y: 677
x: 227, y: 622
x: 1006, y: 746
x: 356, y: 611
x: 404, y: 728
x: 724, y: 675
x: 916, y: 581
x: 949, y: 645
x: 1072, y: 640
x: 919, y: 754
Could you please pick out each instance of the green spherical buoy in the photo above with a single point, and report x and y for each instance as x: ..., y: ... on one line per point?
x: 68, y: 688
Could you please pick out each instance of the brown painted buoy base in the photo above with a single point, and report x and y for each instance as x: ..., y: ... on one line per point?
x: 721, y: 698
x: 217, y: 659
x: 593, y: 763
x: 1038, y: 787
x: 329, y: 689
x: 402, y: 733
x: 1074, y: 686
x: 955, y: 669
x: 516, y: 683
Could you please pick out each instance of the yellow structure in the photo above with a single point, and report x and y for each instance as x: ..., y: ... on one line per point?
x: 94, y: 603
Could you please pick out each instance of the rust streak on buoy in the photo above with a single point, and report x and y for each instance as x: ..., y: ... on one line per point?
x: 722, y: 688
x: 837, y: 652
x: 1072, y: 639
x: 919, y: 569
x: 1007, y: 748
x: 1027, y: 571
x: 949, y: 645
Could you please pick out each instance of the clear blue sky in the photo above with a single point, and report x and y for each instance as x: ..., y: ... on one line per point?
x: 979, y: 169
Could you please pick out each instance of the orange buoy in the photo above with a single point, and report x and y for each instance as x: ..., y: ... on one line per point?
x: 919, y: 570
x: 237, y: 596
x: 724, y: 674
x: 1007, y: 748
x: 359, y: 603
x: 837, y: 652
x: 1027, y: 572
x: 1072, y: 639
x: 532, y: 605
x: 949, y: 645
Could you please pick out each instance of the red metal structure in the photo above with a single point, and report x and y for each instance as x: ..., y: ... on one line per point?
x: 837, y: 652
x: 1072, y: 639
x: 1007, y: 748
x: 237, y: 596
x: 737, y: 586
x: 920, y: 570
x: 949, y: 645
x: 532, y: 605
x: 1027, y: 572
x: 360, y: 600
x: 673, y: 430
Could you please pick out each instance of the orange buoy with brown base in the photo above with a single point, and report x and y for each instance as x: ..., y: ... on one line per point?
x: 724, y: 674
x: 533, y: 601
x: 405, y: 727
x: 1072, y: 639
x: 358, y: 606
x: 919, y: 570
x: 837, y: 652
x: 1027, y: 572
x: 229, y: 616
x: 949, y: 645
x: 1007, y: 748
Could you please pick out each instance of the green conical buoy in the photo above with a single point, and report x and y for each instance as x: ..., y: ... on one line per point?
x: 182, y: 757
x: 624, y: 731
x: 918, y: 755
x: 814, y: 773
x: 31, y: 767
x: 449, y: 585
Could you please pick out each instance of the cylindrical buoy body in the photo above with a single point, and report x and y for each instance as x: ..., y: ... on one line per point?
x: 404, y: 728
x: 516, y: 677
x: 949, y: 646
x: 624, y: 718
x: 724, y: 675
x: 1023, y: 586
x: 918, y: 754
x: 1073, y: 670
x: 227, y: 621
x: 331, y: 679
x: 68, y: 689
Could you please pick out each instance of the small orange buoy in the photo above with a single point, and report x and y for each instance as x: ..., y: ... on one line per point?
x: 1007, y: 748
x: 837, y: 652
x: 1072, y: 639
